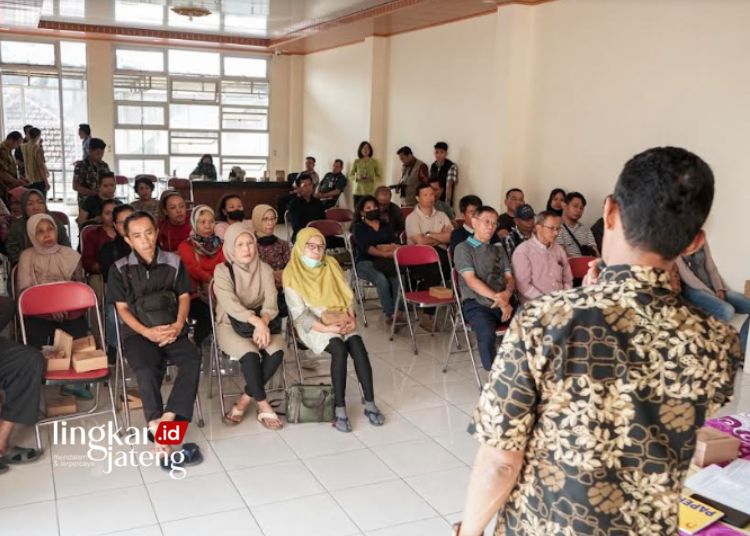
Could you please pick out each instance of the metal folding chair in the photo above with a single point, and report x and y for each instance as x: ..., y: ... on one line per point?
x: 181, y: 184
x: 63, y: 219
x: 407, y: 257
x: 85, y: 235
x: 341, y: 215
x: 67, y: 296
x: 120, y: 181
x: 405, y: 211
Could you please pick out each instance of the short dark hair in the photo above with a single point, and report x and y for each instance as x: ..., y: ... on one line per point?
x: 664, y: 196
x: 143, y: 180
x: 106, y: 175
x: 484, y: 208
x: 34, y: 133
x: 310, y: 158
x: 441, y: 145
x: 469, y: 201
x: 106, y: 202
x: 14, y: 136
x: 119, y: 209
x: 405, y: 150
x: 552, y: 194
x: 86, y: 128
x: 339, y: 161
x: 507, y: 194
x: 362, y: 146
x: 382, y: 189
x: 361, y: 206
x: 97, y: 143
x: 573, y: 195
x: 222, y: 206
x: 421, y: 186
x: 138, y: 215
x: 27, y: 128
x: 303, y: 177
x: 165, y: 195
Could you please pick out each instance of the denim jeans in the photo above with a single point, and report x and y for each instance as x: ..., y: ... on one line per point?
x: 724, y: 310
x: 387, y: 286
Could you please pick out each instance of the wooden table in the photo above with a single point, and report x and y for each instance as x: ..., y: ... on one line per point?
x: 252, y: 193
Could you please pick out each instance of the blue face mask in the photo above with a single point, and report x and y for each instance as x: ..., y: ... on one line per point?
x: 310, y: 263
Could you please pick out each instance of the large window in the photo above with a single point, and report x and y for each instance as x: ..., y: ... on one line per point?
x: 174, y: 105
x: 44, y: 85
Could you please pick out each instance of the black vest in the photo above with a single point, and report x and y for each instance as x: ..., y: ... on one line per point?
x: 441, y: 174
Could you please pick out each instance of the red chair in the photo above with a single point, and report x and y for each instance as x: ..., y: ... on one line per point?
x: 122, y: 180
x: 85, y: 234
x: 181, y: 185
x: 580, y: 266
x: 341, y: 215
x: 68, y: 296
x: 405, y: 211
x: 407, y: 257
x: 62, y: 219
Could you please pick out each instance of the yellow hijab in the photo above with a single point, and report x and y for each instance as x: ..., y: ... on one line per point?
x: 323, y: 286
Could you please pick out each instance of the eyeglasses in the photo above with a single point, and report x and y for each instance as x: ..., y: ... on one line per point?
x: 316, y: 247
x: 555, y: 230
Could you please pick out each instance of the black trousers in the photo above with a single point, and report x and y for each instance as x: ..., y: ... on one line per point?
x: 200, y: 312
x: 21, y: 371
x: 257, y: 370
x: 39, y: 331
x: 7, y: 311
x: 339, y: 350
x: 149, y: 362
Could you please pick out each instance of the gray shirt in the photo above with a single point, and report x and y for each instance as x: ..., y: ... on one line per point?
x: 489, y: 262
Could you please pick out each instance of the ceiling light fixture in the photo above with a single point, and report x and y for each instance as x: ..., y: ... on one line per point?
x: 191, y: 11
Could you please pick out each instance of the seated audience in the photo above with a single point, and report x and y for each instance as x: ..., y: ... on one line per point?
x: 310, y: 171
x: 90, y: 211
x: 445, y: 171
x: 703, y: 287
x: 365, y: 172
x: 21, y: 372
x: 468, y: 206
x: 230, y: 210
x: 205, y: 169
x: 513, y: 199
x: 200, y: 255
x: 117, y: 248
x: 271, y: 249
x: 373, y: 255
x: 413, y: 173
x: 441, y: 205
x: 97, y: 237
x: 486, y: 283
x: 304, y: 208
x: 144, y: 188
x: 87, y: 172
x: 48, y: 262
x: 332, y: 185
x: 246, y: 292
x: 174, y: 223
x: 390, y: 212
x: 523, y: 229
x: 32, y: 202
x: 555, y: 201
x: 540, y: 265
x: 575, y: 237
x: 150, y: 289
x: 36, y: 173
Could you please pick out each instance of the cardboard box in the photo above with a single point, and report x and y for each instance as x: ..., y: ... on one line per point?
x: 54, y: 359
x: 441, y: 292
x: 747, y: 288
x: 713, y: 446
x: 84, y: 344
x: 90, y: 360
x: 61, y: 405
x: 63, y: 341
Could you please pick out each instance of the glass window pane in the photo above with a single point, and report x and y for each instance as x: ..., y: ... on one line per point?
x: 194, y: 90
x: 28, y: 53
x: 250, y: 67
x: 182, y: 166
x: 134, y: 141
x: 194, y: 116
x: 244, y: 143
x: 254, y: 167
x: 186, y: 142
x: 244, y: 118
x: 139, y: 60
x: 244, y: 93
x: 135, y: 11
x: 140, y: 115
x: 246, y: 24
x: 192, y: 62
x: 73, y: 54
x: 144, y: 88
x: 131, y: 167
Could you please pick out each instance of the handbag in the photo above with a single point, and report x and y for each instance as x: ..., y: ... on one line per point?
x: 309, y: 403
x: 586, y: 251
x: 155, y: 308
x: 245, y: 329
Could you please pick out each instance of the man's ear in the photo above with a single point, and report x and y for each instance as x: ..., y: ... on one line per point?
x: 695, y: 244
x: 611, y: 211
x: 127, y: 239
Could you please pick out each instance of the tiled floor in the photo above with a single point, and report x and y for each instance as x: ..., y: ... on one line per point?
x: 406, y: 478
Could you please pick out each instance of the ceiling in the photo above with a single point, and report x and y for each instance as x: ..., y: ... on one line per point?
x: 282, y: 26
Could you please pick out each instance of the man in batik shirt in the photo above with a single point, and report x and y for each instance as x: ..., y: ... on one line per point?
x: 587, y: 424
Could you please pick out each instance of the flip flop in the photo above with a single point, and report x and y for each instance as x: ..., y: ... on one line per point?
x: 342, y: 424
x: 376, y: 418
x: 234, y: 416
x: 191, y: 455
x: 269, y: 415
x: 19, y: 455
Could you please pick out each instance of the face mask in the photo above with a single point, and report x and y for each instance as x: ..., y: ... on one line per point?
x: 310, y: 263
x: 372, y: 214
x: 236, y: 215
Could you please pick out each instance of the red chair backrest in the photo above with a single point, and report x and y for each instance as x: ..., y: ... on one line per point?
x: 86, y: 235
x: 579, y: 266
x: 148, y: 176
x: 343, y: 215
x: 121, y: 179
x: 416, y: 255
x: 178, y: 183
x: 327, y: 227
x: 59, y: 297
x: 17, y: 192
x: 405, y: 211
x: 60, y: 217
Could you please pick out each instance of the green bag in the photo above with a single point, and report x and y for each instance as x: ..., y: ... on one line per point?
x: 309, y: 403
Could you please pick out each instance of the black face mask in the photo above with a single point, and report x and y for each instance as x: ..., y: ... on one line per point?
x: 373, y: 214
x: 236, y: 215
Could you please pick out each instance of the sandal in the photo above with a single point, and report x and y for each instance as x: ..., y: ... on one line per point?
x: 264, y: 416
x: 234, y: 416
x: 342, y: 424
x: 19, y: 455
x: 191, y: 455
x: 376, y: 418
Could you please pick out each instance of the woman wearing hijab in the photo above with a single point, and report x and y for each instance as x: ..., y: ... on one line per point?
x: 205, y: 168
x: 245, y: 291
x: 174, y: 225
x: 200, y: 254
x: 271, y: 249
x: 320, y: 303
x: 48, y: 262
x: 32, y: 202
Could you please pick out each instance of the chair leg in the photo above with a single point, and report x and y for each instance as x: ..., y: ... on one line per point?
x: 111, y: 391
x: 450, y: 348
x: 411, y: 332
x: 199, y: 410
x: 125, y: 401
x: 216, y: 358
x: 38, y: 437
x: 393, y: 321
